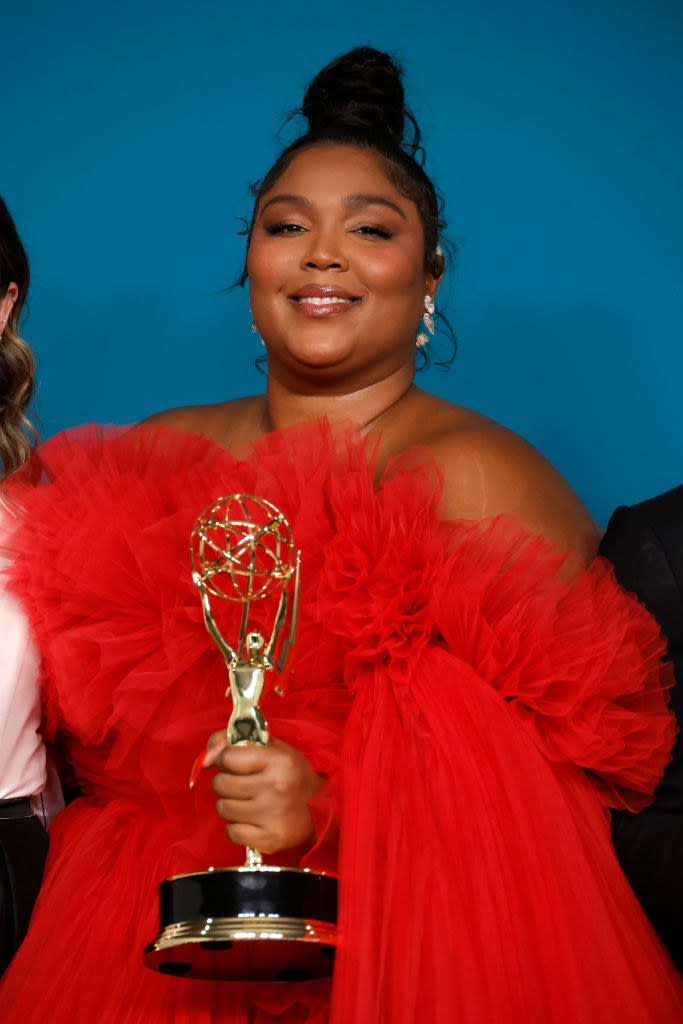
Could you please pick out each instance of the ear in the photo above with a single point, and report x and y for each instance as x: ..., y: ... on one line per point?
x: 6, y: 303
x: 435, y: 272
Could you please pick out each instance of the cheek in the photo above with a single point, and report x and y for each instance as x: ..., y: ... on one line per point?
x: 266, y: 264
x: 398, y: 273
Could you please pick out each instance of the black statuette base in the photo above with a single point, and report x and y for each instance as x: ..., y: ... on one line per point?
x: 246, y: 924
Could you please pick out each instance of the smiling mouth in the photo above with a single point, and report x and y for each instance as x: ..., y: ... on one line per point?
x: 327, y: 301
x: 323, y: 305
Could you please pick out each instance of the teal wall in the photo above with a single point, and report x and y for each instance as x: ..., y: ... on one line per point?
x: 130, y: 132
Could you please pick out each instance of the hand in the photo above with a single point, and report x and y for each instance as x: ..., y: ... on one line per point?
x: 263, y: 792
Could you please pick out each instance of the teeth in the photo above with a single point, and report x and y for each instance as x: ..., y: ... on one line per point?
x: 329, y: 300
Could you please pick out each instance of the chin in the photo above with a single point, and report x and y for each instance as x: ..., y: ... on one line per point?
x: 319, y: 355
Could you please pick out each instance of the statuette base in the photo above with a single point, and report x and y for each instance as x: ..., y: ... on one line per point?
x: 242, y: 924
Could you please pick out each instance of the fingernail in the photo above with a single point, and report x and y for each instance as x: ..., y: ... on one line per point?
x: 197, y: 767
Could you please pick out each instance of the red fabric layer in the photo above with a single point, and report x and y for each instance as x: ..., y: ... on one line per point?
x: 473, y: 714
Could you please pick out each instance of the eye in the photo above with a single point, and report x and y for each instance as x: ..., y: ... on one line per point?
x: 373, y: 231
x: 284, y: 228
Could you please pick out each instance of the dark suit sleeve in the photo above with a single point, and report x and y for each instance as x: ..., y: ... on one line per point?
x: 650, y: 844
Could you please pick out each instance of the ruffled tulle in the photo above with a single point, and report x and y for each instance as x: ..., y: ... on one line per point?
x: 474, y: 704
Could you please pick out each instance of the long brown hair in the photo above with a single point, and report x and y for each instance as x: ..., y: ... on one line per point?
x: 17, y: 433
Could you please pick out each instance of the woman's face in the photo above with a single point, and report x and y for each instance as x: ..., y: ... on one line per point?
x: 337, y: 270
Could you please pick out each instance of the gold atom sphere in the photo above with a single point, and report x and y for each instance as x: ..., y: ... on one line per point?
x: 242, y: 548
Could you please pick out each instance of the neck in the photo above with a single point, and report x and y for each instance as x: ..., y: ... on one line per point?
x: 367, y: 406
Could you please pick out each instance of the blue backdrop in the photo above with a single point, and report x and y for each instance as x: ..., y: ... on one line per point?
x: 131, y: 130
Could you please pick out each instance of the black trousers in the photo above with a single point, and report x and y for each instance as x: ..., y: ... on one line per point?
x: 23, y: 849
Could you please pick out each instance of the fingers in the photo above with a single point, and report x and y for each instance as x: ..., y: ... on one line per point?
x: 262, y: 791
x: 208, y: 756
x: 240, y: 768
x: 250, y: 835
x: 266, y: 839
x: 243, y: 758
x: 249, y: 823
x: 217, y: 742
x: 237, y: 787
x: 241, y: 812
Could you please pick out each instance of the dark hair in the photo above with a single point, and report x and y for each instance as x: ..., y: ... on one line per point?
x: 358, y: 100
x: 17, y: 433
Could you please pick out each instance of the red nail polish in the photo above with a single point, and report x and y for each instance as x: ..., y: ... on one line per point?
x: 197, y: 767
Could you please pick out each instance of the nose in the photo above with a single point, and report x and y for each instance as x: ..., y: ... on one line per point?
x: 325, y: 251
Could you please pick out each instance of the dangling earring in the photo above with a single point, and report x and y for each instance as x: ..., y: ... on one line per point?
x: 253, y: 329
x: 428, y: 315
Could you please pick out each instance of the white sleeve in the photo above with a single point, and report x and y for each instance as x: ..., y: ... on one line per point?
x: 22, y: 752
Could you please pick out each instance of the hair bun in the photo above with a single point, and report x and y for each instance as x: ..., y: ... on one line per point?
x: 360, y: 90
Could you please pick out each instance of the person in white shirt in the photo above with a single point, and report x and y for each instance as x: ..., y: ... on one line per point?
x: 24, y: 804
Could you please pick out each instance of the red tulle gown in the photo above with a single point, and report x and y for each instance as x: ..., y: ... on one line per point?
x: 475, y: 716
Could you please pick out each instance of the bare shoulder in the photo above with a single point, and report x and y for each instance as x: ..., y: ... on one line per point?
x: 227, y: 423
x: 490, y: 470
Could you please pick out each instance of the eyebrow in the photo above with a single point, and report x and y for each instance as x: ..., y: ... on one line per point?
x: 287, y: 197
x: 351, y: 202
x: 364, y: 199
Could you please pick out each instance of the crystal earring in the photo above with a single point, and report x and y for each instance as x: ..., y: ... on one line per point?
x: 428, y: 315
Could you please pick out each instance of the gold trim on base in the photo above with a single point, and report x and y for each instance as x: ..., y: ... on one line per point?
x: 266, y: 868
x: 245, y: 949
x: 236, y: 929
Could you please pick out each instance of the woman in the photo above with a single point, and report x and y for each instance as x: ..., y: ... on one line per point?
x: 23, y: 839
x: 465, y: 700
x: 17, y: 434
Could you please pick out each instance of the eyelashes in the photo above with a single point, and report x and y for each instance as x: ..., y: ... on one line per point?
x: 365, y: 230
x: 374, y: 230
x: 284, y: 228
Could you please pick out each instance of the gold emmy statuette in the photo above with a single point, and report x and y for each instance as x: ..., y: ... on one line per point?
x: 257, y: 922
